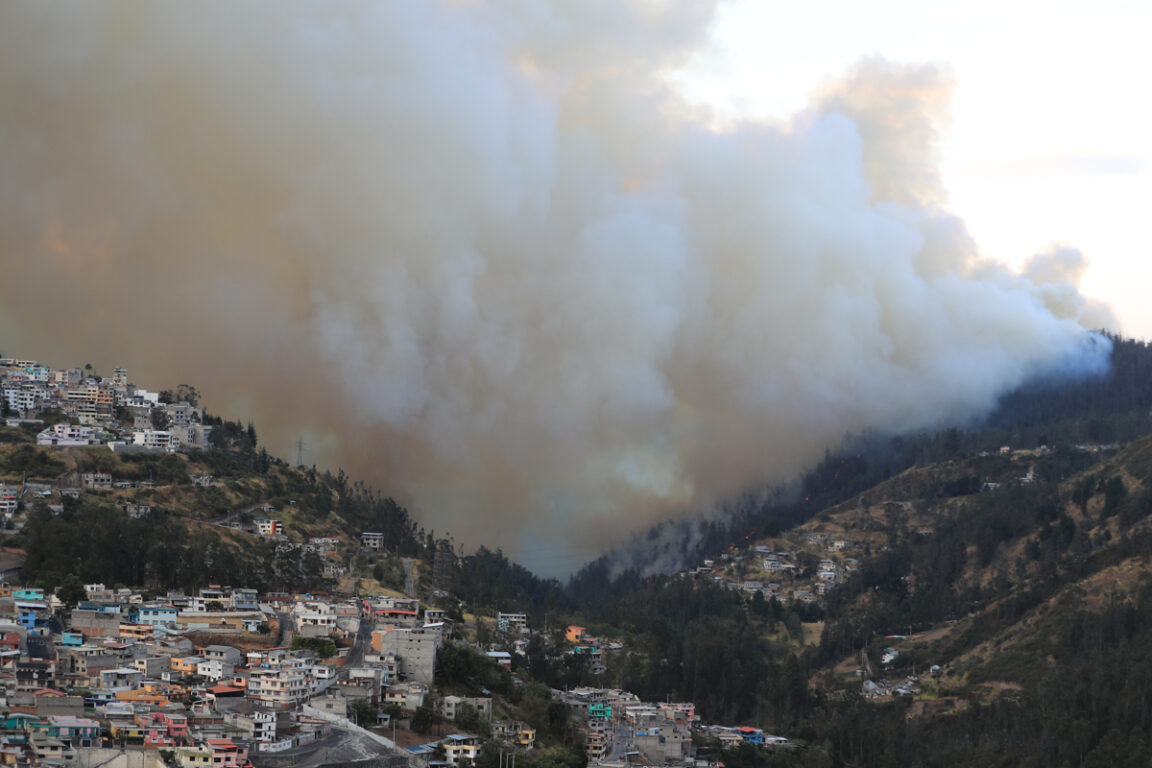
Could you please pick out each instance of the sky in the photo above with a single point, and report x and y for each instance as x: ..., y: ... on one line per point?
x: 1051, y: 132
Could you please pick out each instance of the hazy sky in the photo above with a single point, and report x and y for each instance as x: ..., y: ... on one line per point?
x: 1050, y: 139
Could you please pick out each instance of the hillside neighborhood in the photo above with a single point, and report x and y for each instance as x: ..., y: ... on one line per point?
x: 93, y: 410
x: 171, y: 595
x: 230, y: 676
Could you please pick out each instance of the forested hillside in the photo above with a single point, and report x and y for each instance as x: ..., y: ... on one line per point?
x: 1013, y: 588
x: 178, y: 538
x: 1060, y: 413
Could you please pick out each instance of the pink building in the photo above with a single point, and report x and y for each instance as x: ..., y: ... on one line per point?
x: 227, y: 754
x: 682, y: 712
x: 162, y: 729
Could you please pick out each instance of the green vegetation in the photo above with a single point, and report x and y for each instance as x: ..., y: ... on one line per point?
x: 29, y: 462
x: 467, y: 672
x: 157, y: 468
x: 15, y: 435
x: 324, y: 647
x: 361, y: 712
x: 98, y: 542
x: 94, y: 539
x: 464, y: 671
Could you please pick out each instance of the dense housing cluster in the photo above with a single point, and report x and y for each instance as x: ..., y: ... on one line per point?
x: 93, y: 410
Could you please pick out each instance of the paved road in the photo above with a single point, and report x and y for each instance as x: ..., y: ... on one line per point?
x: 355, y: 657
x: 621, y: 736
x: 286, y: 628
x: 360, y: 645
x: 346, y: 746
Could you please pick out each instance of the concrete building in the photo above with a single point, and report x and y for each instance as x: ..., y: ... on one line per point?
x: 512, y: 622
x: 157, y: 615
x: 120, y: 678
x: 224, y: 653
x: 450, y: 706
x: 267, y: 526
x: 461, y: 747
x: 414, y: 649
x: 155, y: 439
x: 254, y: 725
x: 314, y: 619
x: 664, y: 745
x: 9, y: 500
x: 245, y: 600
x: 283, y: 686
x: 215, y: 669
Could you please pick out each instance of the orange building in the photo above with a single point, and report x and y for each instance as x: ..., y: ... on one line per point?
x: 149, y: 694
x: 185, y: 665
x: 143, y: 633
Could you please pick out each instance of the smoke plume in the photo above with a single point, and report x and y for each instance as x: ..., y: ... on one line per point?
x: 485, y: 258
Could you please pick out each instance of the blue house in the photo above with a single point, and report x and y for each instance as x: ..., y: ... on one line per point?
x: 19, y: 723
x: 156, y: 615
x: 751, y: 735
x: 598, y: 710
x: 102, y: 607
x: 32, y: 615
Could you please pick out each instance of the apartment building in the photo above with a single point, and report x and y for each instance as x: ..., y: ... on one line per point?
x: 284, y: 686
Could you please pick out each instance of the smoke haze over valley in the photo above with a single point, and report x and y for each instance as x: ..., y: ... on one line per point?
x: 485, y: 258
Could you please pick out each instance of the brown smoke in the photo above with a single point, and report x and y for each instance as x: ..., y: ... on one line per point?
x: 483, y: 257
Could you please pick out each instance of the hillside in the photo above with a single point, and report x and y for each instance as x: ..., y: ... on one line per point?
x: 177, y: 520
x: 950, y: 614
x: 1096, y: 410
x: 990, y: 609
x: 961, y: 597
x: 971, y: 596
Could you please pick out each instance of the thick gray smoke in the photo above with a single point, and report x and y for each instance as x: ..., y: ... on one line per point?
x: 485, y: 258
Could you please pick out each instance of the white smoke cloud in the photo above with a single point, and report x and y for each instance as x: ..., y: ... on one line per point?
x: 485, y: 257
